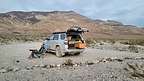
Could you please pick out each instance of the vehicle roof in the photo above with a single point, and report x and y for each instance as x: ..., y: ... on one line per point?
x: 58, y: 32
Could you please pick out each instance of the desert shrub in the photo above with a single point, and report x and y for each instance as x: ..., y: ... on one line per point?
x: 89, y: 63
x: 104, y: 40
x: 4, y: 41
x: 90, y: 41
x: 135, y: 71
x: 68, y: 62
x: 7, y: 38
x: 101, y: 43
x: 112, y: 41
x: 134, y: 42
x: 133, y: 48
x: 139, y: 42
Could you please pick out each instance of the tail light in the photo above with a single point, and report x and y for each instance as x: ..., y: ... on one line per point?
x: 65, y: 42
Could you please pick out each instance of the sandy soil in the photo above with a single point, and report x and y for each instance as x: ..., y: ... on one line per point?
x: 15, y: 65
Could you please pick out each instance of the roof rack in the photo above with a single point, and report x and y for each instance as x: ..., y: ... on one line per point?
x: 58, y: 32
x: 77, y: 29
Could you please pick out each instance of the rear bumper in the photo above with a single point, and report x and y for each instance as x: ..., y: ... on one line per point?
x: 74, y: 50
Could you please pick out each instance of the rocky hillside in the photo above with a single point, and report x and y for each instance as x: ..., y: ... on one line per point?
x: 17, y: 23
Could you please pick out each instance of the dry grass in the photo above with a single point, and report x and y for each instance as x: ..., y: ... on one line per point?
x: 135, y: 71
x: 133, y: 48
x: 134, y: 42
x: 90, y: 41
x: 94, y: 41
x: 7, y: 38
x: 68, y: 62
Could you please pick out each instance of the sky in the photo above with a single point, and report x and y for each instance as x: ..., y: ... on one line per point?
x: 126, y: 11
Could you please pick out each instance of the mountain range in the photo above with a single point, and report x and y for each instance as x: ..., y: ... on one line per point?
x: 36, y: 23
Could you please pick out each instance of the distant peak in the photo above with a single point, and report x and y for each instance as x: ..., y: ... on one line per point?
x: 16, y: 12
x: 42, y: 12
x: 62, y: 12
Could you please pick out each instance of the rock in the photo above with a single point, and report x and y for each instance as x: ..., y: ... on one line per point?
x: 104, y: 60
x: 97, y: 61
x: 89, y: 63
x: 17, y: 61
x: 75, y: 65
x: 28, y: 68
x: 16, y: 69
x: 119, y: 60
x: 123, y: 49
x: 52, y: 65
x: 101, y: 60
x: 68, y: 62
x: 139, y: 58
x: 3, y: 71
x: 9, y: 69
x: 101, y: 43
x: 59, y: 65
x: 79, y: 64
x: 128, y: 58
x: 142, y: 58
x: 44, y: 66
x: 109, y: 59
x: 36, y: 66
x: 112, y: 76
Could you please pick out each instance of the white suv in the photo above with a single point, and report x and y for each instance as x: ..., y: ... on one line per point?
x: 70, y: 42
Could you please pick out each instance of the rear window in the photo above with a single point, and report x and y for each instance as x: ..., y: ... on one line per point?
x: 75, y: 37
x: 62, y: 36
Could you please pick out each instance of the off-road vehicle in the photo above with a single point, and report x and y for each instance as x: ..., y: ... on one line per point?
x: 62, y: 43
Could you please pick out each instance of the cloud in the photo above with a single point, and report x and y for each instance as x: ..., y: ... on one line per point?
x: 126, y: 11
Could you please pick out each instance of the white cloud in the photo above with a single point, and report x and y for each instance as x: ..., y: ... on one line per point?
x: 127, y: 11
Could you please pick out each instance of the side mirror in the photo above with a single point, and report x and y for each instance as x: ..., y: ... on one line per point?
x: 47, y: 39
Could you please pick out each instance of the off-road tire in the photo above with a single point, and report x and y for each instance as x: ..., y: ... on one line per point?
x: 78, y: 53
x: 59, y: 52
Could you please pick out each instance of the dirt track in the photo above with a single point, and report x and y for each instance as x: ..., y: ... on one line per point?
x: 16, y: 56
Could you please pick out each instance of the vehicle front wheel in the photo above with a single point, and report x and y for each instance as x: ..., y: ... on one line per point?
x: 59, y: 52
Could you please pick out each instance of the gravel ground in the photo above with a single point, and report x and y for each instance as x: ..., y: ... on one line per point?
x: 100, y: 63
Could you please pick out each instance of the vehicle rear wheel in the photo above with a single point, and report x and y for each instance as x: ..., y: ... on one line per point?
x: 59, y: 52
x: 78, y: 53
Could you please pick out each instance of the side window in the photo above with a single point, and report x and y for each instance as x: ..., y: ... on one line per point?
x: 62, y: 36
x: 56, y: 37
x: 51, y: 37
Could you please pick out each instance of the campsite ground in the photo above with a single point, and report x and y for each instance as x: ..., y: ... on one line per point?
x: 99, y: 62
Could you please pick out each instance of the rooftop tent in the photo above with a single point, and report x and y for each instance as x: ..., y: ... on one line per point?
x: 77, y: 29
